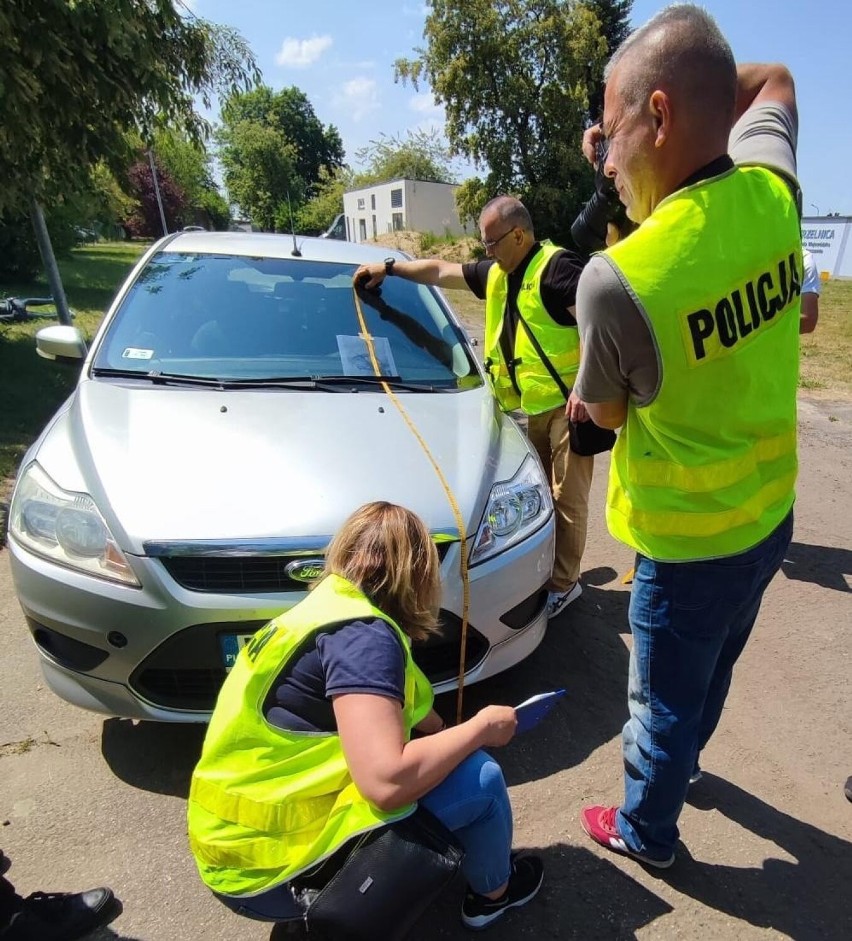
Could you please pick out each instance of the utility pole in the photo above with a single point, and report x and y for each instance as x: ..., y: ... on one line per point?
x: 157, y: 191
x: 63, y: 314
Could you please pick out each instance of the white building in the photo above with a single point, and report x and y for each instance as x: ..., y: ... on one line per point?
x: 416, y: 205
x: 829, y: 240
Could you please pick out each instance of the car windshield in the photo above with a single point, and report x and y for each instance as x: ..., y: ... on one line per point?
x: 226, y: 317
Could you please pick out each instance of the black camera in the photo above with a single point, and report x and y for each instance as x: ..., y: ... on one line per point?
x: 589, y: 228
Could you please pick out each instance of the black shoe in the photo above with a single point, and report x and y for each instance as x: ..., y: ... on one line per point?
x: 61, y: 916
x: 479, y: 911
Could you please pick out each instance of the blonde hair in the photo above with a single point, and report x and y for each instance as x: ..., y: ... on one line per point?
x: 387, y: 552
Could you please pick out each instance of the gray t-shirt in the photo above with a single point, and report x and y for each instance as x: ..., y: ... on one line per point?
x: 619, y: 353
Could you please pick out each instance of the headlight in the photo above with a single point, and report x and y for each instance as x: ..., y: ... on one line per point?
x: 515, y: 508
x: 65, y: 528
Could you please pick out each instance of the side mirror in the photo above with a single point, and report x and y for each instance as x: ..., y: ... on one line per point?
x: 61, y: 343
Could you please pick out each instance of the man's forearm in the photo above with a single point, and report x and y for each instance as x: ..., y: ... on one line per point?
x: 430, y: 271
x: 759, y: 82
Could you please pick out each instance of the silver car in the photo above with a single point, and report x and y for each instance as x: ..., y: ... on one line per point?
x: 228, y: 417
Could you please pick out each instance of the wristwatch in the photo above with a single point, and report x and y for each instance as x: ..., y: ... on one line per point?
x: 389, y: 263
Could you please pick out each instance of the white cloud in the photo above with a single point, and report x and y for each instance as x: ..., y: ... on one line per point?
x: 424, y: 103
x: 300, y: 53
x: 359, y: 97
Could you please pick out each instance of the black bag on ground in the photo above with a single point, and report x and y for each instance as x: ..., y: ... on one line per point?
x: 389, y: 877
x: 586, y: 438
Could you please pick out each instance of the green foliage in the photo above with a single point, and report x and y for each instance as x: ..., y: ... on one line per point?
x: 614, y: 19
x: 19, y: 255
x: 189, y: 164
x: 317, y: 214
x: 77, y: 76
x: 273, y: 146
x: 515, y: 79
x: 260, y: 172
x: 471, y: 197
x: 289, y: 111
x: 420, y: 155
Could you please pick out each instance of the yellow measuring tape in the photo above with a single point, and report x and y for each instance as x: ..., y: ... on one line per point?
x: 463, y: 567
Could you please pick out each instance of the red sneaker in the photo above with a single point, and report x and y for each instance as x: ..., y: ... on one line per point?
x: 599, y: 823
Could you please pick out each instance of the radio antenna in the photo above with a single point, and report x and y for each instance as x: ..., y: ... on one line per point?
x: 295, y: 253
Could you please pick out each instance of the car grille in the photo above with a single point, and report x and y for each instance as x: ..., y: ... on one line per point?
x: 186, y: 671
x: 242, y: 574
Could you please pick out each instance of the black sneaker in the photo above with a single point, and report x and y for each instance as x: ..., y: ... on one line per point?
x: 61, y: 916
x: 479, y: 911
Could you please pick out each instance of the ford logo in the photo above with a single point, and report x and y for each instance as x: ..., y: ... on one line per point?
x: 305, y: 570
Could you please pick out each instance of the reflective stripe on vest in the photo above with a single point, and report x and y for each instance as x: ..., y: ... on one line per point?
x: 265, y: 803
x: 708, y: 468
x: 539, y: 393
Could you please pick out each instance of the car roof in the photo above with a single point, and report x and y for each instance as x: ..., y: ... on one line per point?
x: 276, y: 245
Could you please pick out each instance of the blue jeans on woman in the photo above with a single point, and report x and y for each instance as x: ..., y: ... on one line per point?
x: 472, y: 802
x: 690, y: 622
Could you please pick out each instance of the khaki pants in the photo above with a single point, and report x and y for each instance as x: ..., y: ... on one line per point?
x: 570, y: 481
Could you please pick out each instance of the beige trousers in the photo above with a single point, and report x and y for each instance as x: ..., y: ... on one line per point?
x: 570, y: 481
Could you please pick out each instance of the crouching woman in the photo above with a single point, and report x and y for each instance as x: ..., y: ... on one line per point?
x: 310, y: 743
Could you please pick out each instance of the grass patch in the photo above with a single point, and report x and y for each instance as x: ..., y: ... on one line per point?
x: 32, y: 388
x: 827, y: 352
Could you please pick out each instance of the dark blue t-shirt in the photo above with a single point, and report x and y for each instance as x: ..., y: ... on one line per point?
x: 353, y: 657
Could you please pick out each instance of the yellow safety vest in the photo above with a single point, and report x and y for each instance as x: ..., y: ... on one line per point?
x: 708, y: 468
x: 538, y: 392
x: 265, y: 804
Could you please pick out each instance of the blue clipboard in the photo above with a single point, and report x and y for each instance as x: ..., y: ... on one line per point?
x: 531, y: 711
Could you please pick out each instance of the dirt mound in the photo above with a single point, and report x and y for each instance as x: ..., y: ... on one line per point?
x: 462, y: 249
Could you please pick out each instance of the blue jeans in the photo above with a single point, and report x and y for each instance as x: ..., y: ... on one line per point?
x: 690, y: 622
x: 472, y: 802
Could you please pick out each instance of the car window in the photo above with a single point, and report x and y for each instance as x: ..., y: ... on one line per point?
x: 233, y: 317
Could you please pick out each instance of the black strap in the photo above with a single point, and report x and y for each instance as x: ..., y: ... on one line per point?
x: 543, y: 357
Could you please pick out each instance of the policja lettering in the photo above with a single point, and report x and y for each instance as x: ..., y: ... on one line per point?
x: 711, y: 333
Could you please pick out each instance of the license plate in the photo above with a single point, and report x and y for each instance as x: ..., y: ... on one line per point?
x: 231, y: 645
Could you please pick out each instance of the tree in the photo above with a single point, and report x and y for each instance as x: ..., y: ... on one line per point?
x: 290, y: 114
x: 76, y: 77
x: 260, y: 173
x: 471, y: 198
x: 421, y: 155
x: 614, y: 19
x: 317, y: 214
x: 514, y: 77
x: 145, y: 220
x: 189, y: 165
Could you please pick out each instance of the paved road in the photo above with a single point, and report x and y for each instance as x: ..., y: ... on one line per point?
x: 766, y: 837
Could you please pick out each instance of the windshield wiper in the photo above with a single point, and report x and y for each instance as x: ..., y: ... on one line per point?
x: 393, y: 381
x: 162, y: 378
x: 271, y: 382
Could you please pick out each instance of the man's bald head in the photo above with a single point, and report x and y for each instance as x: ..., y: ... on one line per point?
x: 509, y: 210
x: 680, y: 51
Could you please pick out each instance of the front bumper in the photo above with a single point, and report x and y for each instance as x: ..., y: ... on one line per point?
x: 96, y: 638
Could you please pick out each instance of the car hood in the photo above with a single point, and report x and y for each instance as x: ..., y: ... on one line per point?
x: 165, y: 463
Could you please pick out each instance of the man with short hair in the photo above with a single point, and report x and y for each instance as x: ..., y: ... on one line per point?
x: 690, y: 345
x: 529, y: 289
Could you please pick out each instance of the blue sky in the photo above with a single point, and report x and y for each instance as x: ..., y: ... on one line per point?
x: 341, y: 54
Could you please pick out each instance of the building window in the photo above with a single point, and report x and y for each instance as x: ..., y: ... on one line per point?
x: 362, y: 229
x: 375, y: 230
x: 396, y: 199
x: 373, y: 201
x: 361, y: 202
x: 396, y: 217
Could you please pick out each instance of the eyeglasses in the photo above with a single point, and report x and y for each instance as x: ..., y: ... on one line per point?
x: 491, y: 244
